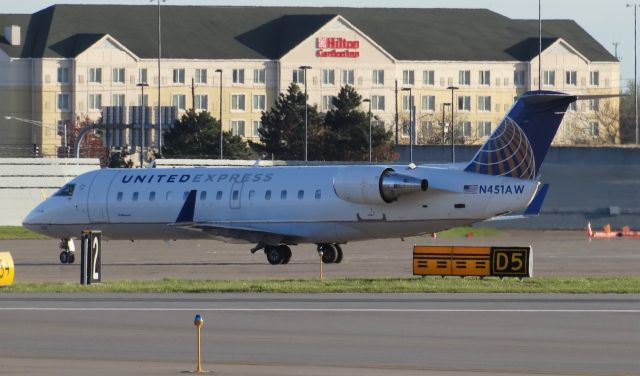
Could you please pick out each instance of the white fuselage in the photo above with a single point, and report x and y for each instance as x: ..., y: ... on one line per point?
x: 299, y: 204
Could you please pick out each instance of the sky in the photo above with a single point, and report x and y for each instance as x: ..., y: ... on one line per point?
x: 608, y: 21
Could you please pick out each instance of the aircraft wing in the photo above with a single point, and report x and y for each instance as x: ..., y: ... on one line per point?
x: 223, y: 231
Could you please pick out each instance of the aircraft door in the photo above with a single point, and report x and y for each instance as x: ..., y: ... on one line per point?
x: 235, y: 198
x: 97, y: 198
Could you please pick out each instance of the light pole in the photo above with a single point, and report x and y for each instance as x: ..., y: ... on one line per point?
x: 306, y: 112
x: 159, y: 77
x: 443, y: 123
x: 142, y: 85
x: 635, y: 65
x: 369, y: 101
x: 39, y: 124
x: 453, y: 127
x: 220, y: 105
x: 411, y: 125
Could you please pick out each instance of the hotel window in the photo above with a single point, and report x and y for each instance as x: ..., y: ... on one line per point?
x: 202, y: 102
x: 428, y: 103
x: 572, y: 107
x: 348, y: 77
x: 201, y: 76
x: 484, y: 103
x: 594, y: 129
x: 142, y: 75
x: 428, y: 77
x: 377, y: 123
x: 408, y: 77
x: 485, y: 77
x: 179, y: 100
x: 518, y: 78
x: 406, y: 102
x: 95, y: 75
x: 550, y: 78
x: 257, y: 124
x: 62, y: 103
x: 378, y: 77
x: 594, y: 78
x: 426, y: 127
x: 95, y: 101
x: 484, y: 128
x: 464, y: 103
x: 594, y: 104
x: 377, y: 102
x: 237, y: 127
x: 406, y: 127
x: 259, y: 76
x: 298, y: 76
x: 237, y: 102
x: 117, y: 100
x: 117, y: 75
x: 178, y: 76
x: 238, y: 76
x: 63, y: 75
x: 259, y: 102
x: 143, y: 101
x: 328, y: 76
x: 571, y: 78
x: 464, y: 77
x: 464, y: 127
x: 327, y: 103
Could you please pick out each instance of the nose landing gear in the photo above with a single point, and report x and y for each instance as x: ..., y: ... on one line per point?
x: 67, y: 256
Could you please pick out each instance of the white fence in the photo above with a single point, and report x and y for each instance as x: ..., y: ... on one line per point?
x: 25, y: 182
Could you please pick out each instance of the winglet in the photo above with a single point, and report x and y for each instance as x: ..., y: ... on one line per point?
x: 533, y: 210
x: 188, y: 209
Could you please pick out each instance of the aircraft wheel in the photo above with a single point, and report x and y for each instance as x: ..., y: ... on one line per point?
x: 328, y: 253
x: 72, y: 257
x: 274, y: 255
x: 286, y: 251
x: 66, y: 257
x: 338, y: 253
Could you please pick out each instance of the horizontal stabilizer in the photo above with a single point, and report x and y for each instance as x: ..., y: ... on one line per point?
x: 533, y: 210
x: 188, y: 209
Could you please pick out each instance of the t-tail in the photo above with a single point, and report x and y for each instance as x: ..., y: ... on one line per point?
x: 517, y: 147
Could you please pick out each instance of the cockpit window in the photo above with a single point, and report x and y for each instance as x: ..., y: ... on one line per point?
x: 66, y: 191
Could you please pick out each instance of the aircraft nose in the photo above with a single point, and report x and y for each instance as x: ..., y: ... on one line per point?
x: 32, y: 219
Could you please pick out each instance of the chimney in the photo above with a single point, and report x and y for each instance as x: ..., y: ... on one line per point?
x: 12, y: 34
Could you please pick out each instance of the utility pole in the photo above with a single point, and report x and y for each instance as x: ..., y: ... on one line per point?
x: 396, y: 91
x: 539, y: 45
x: 193, y: 94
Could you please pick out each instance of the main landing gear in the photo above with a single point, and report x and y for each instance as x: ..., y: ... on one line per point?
x: 67, y: 256
x: 331, y: 253
x: 280, y: 254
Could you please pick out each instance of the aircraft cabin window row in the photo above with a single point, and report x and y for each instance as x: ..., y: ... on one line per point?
x: 67, y: 190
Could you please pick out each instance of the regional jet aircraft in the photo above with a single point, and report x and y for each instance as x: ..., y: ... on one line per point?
x: 276, y: 207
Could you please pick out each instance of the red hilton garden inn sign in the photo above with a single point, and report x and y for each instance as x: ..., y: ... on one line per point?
x: 337, y: 47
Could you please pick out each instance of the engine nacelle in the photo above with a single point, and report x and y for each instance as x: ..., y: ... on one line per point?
x: 375, y: 185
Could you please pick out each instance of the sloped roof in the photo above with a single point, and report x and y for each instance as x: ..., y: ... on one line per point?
x: 214, y: 32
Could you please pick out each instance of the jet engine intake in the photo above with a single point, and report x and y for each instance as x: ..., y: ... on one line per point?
x: 375, y: 185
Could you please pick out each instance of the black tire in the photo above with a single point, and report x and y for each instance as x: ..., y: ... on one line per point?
x: 338, y: 254
x: 286, y: 251
x: 328, y: 254
x: 72, y: 258
x: 64, y: 257
x: 274, y: 256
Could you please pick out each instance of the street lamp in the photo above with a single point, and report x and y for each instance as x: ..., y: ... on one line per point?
x: 411, y: 125
x: 635, y: 65
x: 306, y: 110
x: 142, y: 85
x: 443, y: 124
x: 370, y: 152
x: 33, y: 134
x: 220, y: 105
x: 453, y: 133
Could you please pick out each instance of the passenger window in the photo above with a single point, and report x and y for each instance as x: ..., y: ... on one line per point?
x: 267, y: 194
x: 169, y: 194
x: 152, y: 196
x: 318, y: 194
x: 251, y: 194
x: 300, y: 194
x: 283, y: 195
x: 67, y: 190
x: 219, y: 195
x: 203, y: 195
x: 135, y: 196
x: 119, y: 196
x: 235, y: 195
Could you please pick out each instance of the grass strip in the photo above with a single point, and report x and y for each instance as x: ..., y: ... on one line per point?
x: 19, y: 232
x: 571, y: 285
x: 461, y: 232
